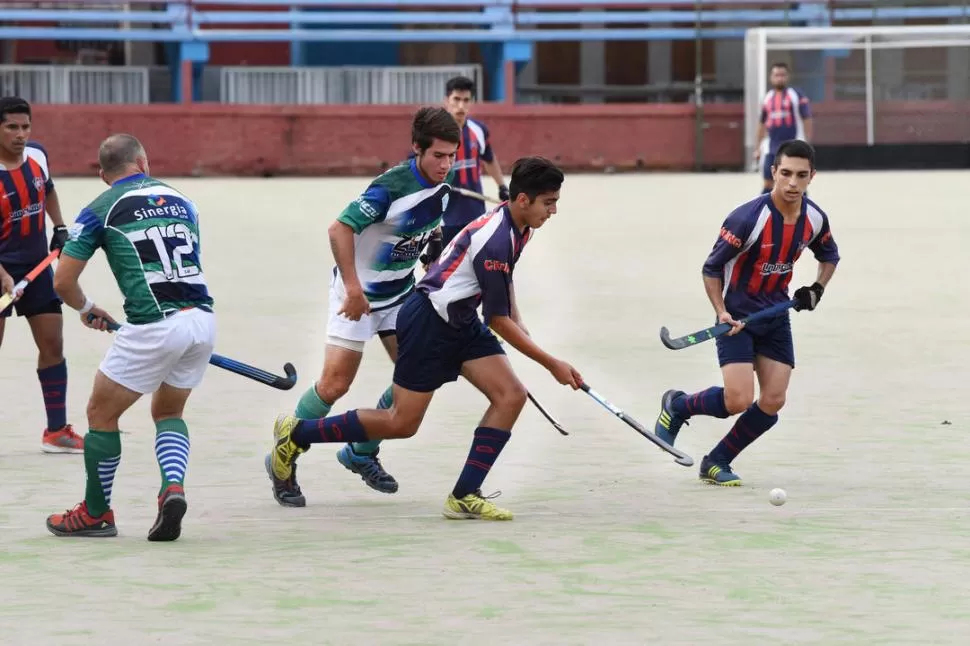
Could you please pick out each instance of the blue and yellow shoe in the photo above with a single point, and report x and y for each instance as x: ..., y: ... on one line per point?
x: 718, y: 473
x: 668, y: 423
x: 369, y: 468
x: 474, y: 506
x: 281, y: 463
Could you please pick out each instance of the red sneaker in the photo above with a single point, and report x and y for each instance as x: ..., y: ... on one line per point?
x: 171, y: 509
x: 78, y: 522
x: 63, y: 440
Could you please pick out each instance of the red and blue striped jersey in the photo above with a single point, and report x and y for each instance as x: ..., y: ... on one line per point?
x: 23, y: 208
x: 783, y: 114
x: 476, y: 268
x: 475, y: 148
x: 756, y: 251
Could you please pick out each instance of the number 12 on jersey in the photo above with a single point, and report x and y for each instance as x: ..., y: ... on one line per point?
x: 173, y: 243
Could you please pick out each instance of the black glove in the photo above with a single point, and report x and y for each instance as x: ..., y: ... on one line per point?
x: 503, y: 193
x: 808, y: 297
x: 433, y: 250
x: 60, y: 237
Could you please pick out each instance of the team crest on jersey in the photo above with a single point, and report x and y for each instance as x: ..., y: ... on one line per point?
x: 38, y: 183
x: 444, y: 202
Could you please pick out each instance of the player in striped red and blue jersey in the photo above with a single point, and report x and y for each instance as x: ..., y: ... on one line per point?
x: 27, y: 198
x: 748, y: 270
x: 786, y: 114
x: 440, y: 337
x: 474, y: 154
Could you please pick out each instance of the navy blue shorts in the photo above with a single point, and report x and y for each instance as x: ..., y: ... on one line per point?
x: 766, y: 161
x: 430, y: 352
x: 771, y: 339
x: 39, y: 296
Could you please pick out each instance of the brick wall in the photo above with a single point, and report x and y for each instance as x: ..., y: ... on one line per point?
x: 208, y: 139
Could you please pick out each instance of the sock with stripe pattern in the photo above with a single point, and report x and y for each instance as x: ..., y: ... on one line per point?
x: 486, y: 447
x: 172, y: 451
x: 53, y: 385
x: 706, y: 402
x: 752, y: 424
x: 102, y: 455
x: 370, y: 448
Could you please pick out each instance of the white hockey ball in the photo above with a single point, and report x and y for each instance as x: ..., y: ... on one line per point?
x: 777, y: 497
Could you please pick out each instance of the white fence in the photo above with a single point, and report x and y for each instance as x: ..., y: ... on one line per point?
x: 340, y: 85
x: 75, y: 83
x: 79, y: 84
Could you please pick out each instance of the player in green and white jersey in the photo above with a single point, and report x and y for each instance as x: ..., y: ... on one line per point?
x: 376, y: 243
x: 149, y: 232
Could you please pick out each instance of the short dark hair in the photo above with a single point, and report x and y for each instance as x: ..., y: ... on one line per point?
x: 13, y: 105
x: 783, y: 66
x: 434, y: 123
x: 118, y: 151
x: 534, y: 176
x: 796, y: 148
x: 460, y: 84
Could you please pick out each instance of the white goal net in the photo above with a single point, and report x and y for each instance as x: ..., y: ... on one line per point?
x: 867, y: 85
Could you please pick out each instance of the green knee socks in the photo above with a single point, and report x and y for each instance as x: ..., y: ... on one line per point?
x: 102, y: 455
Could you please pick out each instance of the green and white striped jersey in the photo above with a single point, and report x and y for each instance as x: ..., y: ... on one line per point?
x: 150, y: 236
x: 392, y: 221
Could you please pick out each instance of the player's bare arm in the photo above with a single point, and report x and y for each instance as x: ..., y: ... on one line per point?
x: 825, y: 272
x: 342, y: 246
x: 53, y: 206
x: 68, y: 287
x: 514, y: 309
x: 758, y: 138
x: 714, y: 287
x: 809, y: 128
x: 517, y: 337
x: 6, y: 282
x: 494, y: 170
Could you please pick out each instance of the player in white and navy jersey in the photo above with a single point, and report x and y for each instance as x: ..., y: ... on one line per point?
x: 749, y: 269
x: 440, y: 336
x: 786, y: 114
x: 376, y: 242
x: 474, y: 154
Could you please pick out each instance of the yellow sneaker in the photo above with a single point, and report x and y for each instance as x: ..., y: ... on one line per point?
x: 474, y: 506
x: 285, y: 452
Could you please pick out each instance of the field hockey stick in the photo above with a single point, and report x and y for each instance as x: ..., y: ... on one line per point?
x: 256, y: 374
x: 474, y: 195
x: 714, y: 331
x: 7, y: 299
x: 535, y: 402
x: 680, y: 457
x: 545, y: 413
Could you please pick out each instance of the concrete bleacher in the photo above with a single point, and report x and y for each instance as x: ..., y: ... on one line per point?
x: 505, y: 30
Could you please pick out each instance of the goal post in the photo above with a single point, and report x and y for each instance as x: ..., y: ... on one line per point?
x: 868, y: 85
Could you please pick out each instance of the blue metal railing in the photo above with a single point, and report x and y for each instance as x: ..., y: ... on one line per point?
x: 483, y: 21
x: 505, y: 29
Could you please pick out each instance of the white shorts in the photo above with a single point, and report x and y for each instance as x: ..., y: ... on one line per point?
x: 174, y: 351
x: 343, y: 332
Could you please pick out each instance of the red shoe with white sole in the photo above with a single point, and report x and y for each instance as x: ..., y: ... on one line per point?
x: 63, y: 440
